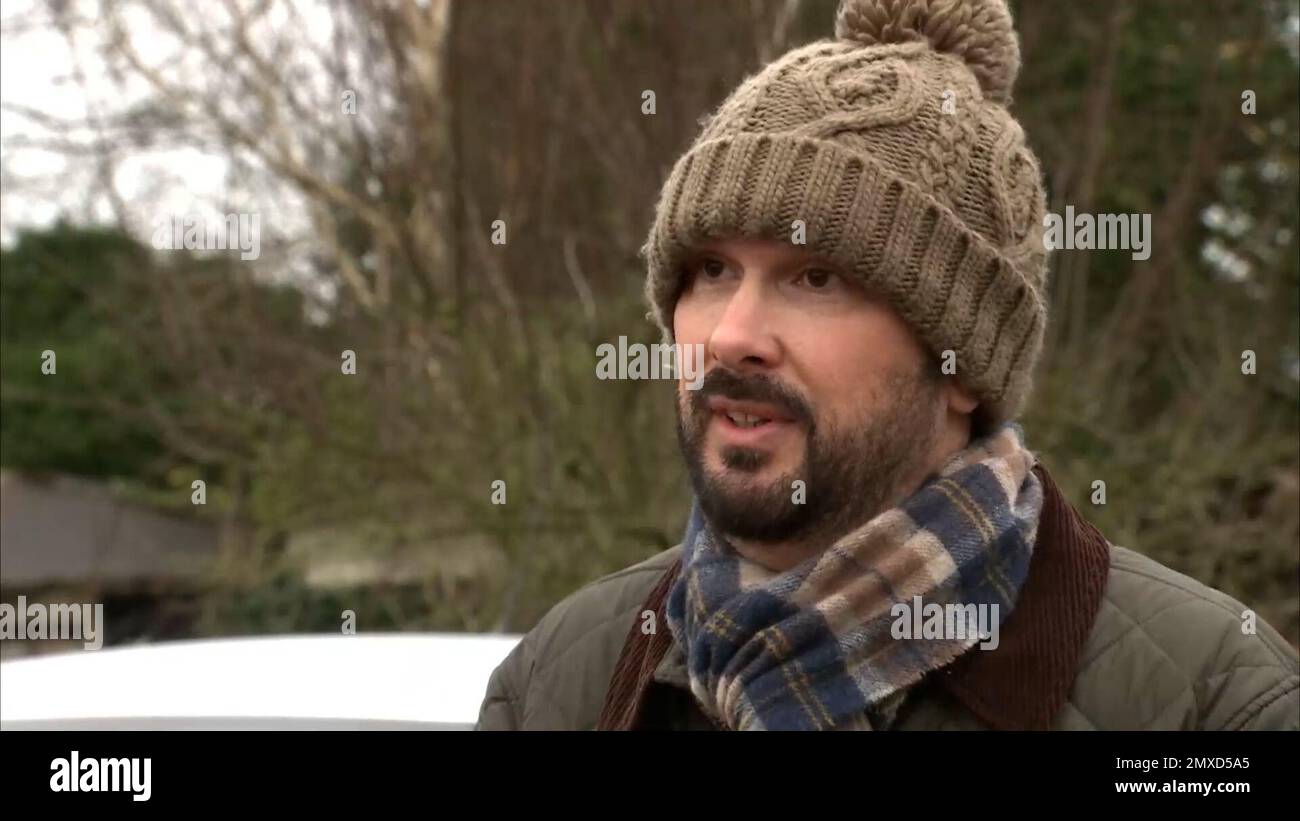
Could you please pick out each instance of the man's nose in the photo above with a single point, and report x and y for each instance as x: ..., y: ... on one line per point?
x: 743, y: 338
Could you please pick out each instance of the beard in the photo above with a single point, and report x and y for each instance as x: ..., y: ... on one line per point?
x: 851, y: 472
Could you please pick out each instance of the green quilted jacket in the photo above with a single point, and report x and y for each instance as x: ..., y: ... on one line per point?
x: 1101, y: 638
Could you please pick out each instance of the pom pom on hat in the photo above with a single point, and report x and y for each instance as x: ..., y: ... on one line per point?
x: 978, y: 32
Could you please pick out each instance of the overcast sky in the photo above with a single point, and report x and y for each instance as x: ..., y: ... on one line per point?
x: 39, y: 70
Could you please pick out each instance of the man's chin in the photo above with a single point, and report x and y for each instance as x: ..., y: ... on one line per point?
x: 737, y: 485
x: 752, y: 508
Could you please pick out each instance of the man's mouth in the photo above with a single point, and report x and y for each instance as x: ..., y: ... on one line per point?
x: 748, y: 415
x: 744, y: 420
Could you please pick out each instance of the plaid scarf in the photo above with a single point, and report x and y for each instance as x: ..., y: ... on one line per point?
x: 814, y: 647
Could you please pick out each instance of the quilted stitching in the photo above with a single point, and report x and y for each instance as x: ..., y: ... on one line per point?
x: 1123, y: 602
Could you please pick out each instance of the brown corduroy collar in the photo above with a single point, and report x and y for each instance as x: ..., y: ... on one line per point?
x: 1020, y: 685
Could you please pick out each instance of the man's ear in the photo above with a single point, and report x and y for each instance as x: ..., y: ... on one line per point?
x: 959, y: 397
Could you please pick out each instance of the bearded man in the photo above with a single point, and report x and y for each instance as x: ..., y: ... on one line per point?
x: 853, y: 447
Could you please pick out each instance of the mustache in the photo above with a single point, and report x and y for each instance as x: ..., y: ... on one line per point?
x: 728, y: 384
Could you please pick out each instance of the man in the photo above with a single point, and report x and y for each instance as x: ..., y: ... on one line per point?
x: 855, y: 240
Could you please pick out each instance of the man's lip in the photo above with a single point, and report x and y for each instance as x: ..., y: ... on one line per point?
x: 720, y: 404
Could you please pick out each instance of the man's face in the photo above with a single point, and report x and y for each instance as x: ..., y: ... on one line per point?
x: 808, y: 378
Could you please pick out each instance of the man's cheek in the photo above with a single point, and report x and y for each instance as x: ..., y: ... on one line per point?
x: 692, y: 420
x: 685, y: 399
x: 690, y: 359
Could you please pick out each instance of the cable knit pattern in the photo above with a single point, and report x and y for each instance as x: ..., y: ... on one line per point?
x: 893, y: 144
x: 977, y: 31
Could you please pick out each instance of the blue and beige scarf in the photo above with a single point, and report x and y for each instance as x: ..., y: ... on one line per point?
x: 814, y: 647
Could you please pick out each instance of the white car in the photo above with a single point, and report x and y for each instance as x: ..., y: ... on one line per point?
x: 363, y: 681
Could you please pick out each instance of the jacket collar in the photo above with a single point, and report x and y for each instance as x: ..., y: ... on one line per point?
x: 1020, y: 685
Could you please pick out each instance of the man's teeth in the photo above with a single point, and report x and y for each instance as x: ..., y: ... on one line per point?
x: 745, y: 420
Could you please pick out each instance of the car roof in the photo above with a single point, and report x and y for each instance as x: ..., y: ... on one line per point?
x: 438, y: 678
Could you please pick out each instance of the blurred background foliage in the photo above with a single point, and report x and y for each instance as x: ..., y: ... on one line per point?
x: 476, y: 363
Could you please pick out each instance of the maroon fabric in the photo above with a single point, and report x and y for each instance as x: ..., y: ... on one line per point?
x: 1021, y: 685
x: 1026, y: 681
x: 625, y: 698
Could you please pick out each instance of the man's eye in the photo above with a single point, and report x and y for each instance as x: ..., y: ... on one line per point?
x: 819, y: 278
x: 712, y: 268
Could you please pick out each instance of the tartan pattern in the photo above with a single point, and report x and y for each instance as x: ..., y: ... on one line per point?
x: 811, y: 648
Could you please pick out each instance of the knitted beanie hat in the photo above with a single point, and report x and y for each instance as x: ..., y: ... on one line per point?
x: 893, y: 145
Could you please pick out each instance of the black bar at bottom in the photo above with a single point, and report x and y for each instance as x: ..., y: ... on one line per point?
x: 334, y: 770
